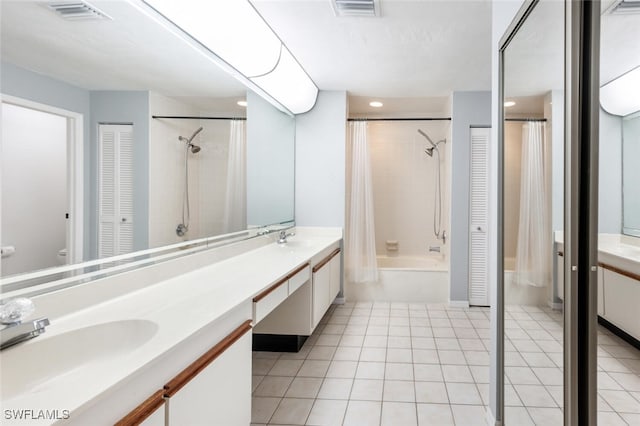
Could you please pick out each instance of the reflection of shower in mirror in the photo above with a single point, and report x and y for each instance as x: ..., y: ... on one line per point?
x: 183, y: 227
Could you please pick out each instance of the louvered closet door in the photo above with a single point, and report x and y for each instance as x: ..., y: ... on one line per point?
x: 115, y: 205
x: 478, y: 218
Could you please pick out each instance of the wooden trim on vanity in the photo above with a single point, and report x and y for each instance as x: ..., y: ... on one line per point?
x: 614, y: 269
x: 619, y: 271
x: 144, y: 410
x: 201, y: 363
x: 325, y: 260
x: 266, y: 292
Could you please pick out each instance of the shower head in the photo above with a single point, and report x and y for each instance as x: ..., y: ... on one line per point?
x: 428, y: 138
x: 429, y: 151
x: 188, y: 140
x: 194, y: 148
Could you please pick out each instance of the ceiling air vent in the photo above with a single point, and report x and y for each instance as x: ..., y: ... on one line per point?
x: 356, y: 7
x: 624, y: 7
x: 77, y: 10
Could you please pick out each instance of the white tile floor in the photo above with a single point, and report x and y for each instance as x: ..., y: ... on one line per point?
x: 408, y: 364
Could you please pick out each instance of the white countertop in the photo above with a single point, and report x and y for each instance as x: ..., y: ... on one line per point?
x: 620, y: 251
x: 179, y: 308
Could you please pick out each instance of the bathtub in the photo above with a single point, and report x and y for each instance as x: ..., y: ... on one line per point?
x: 415, y: 279
x: 515, y: 294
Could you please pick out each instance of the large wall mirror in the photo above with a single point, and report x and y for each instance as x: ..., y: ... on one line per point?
x: 631, y: 174
x: 119, y: 135
x: 620, y: 117
x: 533, y: 143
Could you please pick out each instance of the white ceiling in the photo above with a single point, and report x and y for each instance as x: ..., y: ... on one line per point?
x: 130, y: 52
x: 414, y: 49
x: 412, y: 56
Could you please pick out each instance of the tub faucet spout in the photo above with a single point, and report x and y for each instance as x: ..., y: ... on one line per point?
x: 434, y: 249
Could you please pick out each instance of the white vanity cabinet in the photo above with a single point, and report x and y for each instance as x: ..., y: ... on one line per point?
x: 622, y: 300
x: 326, y: 284
x: 560, y: 275
x: 150, y: 413
x: 216, y: 388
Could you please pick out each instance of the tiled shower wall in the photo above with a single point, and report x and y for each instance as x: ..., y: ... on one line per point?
x: 207, y: 172
x: 404, y: 182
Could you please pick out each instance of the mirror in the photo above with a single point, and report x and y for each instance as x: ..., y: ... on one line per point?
x: 631, y: 175
x: 533, y: 182
x: 101, y: 137
x: 619, y: 119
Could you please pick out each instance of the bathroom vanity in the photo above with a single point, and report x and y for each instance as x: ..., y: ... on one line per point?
x: 618, y: 281
x: 177, y: 349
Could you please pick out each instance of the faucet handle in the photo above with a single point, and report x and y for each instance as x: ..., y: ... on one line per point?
x: 13, y: 311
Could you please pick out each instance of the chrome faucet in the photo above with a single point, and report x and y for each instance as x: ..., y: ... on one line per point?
x: 12, y: 312
x: 282, y: 237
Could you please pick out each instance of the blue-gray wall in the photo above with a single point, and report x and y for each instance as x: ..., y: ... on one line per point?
x: 96, y: 107
x: 25, y: 84
x: 610, y: 174
x: 123, y: 107
x: 321, y: 136
x: 469, y: 109
x: 270, y: 163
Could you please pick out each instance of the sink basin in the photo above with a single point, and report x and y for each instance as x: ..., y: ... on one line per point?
x: 31, y: 367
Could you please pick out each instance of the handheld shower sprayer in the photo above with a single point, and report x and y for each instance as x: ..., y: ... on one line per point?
x: 437, y: 207
x: 194, y: 148
x: 183, y: 228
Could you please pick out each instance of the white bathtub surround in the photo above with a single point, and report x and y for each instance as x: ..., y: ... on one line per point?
x: 423, y: 279
x: 148, y: 335
x: 404, y: 184
x: 235, y: 208
x: 361, y: 265
x: 524, y: 295
x: 532, y: 253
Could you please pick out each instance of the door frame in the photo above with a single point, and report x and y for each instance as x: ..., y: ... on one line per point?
x: 75, y: 171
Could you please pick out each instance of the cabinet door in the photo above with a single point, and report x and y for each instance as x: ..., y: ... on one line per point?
x: 321, y: 287
x: 560, y: 275
x: 156, y: 419
x: 601, y: 291
x: 220, y: 394
x: 621, y: 301
x: 334, y: 286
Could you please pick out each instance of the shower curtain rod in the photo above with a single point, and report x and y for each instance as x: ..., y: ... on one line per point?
x: 525, y: 119
x: 183, y: 117
x: 402, y: 119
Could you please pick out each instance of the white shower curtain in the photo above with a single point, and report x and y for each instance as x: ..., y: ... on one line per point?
x: 533, y: 249
x: 235, y: 211
x: 361, y: 263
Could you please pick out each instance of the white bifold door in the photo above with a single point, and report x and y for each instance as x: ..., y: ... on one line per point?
x: 478, y: 217
x: 115, y: 189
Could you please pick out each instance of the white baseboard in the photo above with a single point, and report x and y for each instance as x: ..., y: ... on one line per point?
x: 491, y: 421
x: 459, y: 303
x: 555, y: 305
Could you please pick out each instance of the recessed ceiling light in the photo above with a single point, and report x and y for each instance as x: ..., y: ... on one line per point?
x: 509, y: 104
x: 375, y: 104
x: 242, y: 103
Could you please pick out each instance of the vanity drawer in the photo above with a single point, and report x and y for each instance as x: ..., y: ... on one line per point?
x: 269, y: 299
x: 299, y: 277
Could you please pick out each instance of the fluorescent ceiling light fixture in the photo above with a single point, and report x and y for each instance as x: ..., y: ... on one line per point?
x: 375, y: 104
x: 508, y: 104
x: 289, y: 84
x: 235, y: 33
x: 242, y: 103
x: 622, y: 95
